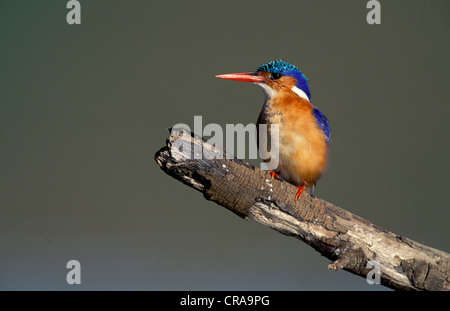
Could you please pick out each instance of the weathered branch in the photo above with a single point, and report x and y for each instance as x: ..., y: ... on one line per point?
x: 346, y: 239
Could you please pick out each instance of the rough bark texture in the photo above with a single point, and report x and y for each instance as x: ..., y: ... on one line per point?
x: 349, y: 241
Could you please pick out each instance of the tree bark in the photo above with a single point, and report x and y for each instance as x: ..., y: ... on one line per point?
x: 350, y: 242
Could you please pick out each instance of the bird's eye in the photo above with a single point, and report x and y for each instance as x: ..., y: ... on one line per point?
x: 276, y: 75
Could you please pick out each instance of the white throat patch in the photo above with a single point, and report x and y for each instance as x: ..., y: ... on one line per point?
x: 268, y: 91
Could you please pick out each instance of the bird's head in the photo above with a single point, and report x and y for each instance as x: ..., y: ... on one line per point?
x: 274, y: 77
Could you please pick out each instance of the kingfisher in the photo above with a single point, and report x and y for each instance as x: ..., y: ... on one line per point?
x: 304, y: 131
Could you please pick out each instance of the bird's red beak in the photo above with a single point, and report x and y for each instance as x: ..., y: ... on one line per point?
x: 242, y: 76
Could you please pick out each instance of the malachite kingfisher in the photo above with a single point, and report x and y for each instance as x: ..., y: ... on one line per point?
x: 304, y: 131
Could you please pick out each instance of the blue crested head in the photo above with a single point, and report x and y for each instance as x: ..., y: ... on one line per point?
x: 279, y: 68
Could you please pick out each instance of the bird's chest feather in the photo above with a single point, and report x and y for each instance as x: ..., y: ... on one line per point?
x: 301, y: 143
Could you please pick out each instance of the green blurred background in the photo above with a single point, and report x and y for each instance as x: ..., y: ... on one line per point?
x: 84, y: 108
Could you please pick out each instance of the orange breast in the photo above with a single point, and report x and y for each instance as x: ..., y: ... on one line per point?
x: 303, y: 148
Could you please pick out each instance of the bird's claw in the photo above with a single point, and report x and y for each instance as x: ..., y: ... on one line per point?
x: 273, y: 174
x: 300, y: 191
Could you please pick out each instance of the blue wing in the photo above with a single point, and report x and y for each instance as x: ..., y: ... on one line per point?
x: 323, y: 123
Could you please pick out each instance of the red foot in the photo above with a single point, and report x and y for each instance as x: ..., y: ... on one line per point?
x: 300, y: 191
x: 273, y: 174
